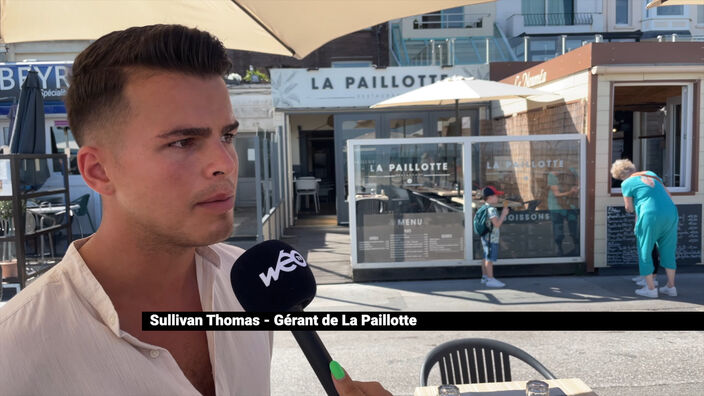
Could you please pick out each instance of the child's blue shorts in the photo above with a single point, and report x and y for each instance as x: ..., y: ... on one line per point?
x: 491, y: 250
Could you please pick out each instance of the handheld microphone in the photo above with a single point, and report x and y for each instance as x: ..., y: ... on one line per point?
x: 273, y: 277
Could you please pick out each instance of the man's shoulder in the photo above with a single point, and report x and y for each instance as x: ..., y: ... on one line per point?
x: 42, y: 305
x: 34, y: 294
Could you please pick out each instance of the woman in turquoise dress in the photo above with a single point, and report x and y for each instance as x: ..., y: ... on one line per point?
x: 656, y: 223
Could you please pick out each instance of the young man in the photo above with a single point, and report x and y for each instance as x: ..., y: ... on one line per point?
x: 152, y: 114
x: 490, y: 240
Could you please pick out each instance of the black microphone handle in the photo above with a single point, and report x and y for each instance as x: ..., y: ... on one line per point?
x: 318, y: 357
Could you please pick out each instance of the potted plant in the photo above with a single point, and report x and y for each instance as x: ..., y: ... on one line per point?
x: 255, y: 76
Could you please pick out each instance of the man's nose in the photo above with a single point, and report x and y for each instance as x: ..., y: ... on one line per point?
x: 222, y: 159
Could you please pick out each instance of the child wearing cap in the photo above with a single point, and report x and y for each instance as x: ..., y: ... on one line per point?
x: 490, y: 240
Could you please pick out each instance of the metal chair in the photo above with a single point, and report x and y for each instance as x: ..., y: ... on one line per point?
x: 307, y: 187
x: 82, y: 210
x: 46, y: 221
x: 476, y: 360
x: 370, y: 206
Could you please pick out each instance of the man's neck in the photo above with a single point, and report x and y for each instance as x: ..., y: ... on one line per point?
x: 123, y: 265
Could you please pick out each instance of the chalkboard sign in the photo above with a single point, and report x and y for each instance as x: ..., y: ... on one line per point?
x: 621, y: 242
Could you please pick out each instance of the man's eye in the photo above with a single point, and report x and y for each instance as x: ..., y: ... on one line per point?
x: 182, y: 143
x: 228, y: 137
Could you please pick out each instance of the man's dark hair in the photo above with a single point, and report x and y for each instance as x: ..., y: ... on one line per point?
x: 102, y: 70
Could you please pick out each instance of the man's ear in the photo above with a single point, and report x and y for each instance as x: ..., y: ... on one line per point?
x: 91, y: 164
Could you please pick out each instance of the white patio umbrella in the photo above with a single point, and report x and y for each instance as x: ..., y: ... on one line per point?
x: 460, y: 89
x: 292, y: 27
x: 659, y: 3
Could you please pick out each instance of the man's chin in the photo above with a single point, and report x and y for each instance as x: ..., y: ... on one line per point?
x: 208, y: 235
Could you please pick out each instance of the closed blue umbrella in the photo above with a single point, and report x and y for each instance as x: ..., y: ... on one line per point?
x: 28, y: 132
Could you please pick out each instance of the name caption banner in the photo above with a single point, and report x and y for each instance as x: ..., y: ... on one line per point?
x: 408, y: 321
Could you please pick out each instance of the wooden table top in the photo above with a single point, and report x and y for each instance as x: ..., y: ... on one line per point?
x: 360, y: 197
x: 568, y: 387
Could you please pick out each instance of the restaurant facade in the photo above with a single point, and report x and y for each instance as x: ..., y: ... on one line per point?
x: 410, y: 171
x: 641, y: 101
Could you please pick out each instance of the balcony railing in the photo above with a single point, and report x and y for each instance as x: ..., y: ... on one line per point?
x: 451, y: 21
x: 558, y: 19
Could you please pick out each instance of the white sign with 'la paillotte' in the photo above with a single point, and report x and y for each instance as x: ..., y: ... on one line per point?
x: 356, y: 87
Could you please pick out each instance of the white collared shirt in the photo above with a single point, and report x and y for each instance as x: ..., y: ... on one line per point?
x: 61, y: 336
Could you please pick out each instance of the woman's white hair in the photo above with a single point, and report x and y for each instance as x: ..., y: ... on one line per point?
x: 622, y: 168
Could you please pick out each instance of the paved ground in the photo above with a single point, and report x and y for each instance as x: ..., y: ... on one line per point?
x: 551, y: 293
x: 627, y: 363
x: 324, y: 244
x: 611, y: 362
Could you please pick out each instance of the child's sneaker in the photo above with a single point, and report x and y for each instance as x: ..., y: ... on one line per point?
x: 643, y: 283
x: 645, y: 292
x: 493, y: 282
x: 670, y: 291
x: 484, y: 279
x: 637, y: 278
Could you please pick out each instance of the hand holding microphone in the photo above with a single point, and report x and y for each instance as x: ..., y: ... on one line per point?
x: 273, y: 277
x: 346, y: 387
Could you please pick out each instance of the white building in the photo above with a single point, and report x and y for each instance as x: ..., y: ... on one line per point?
x: 550, y: 27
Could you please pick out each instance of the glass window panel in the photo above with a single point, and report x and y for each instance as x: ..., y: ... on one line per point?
x: 64, y: 142
x: 652, y: 154
x: 453, y: 17
x: 244, y: 145
x: 540, y: 181
x: 406, y: 128
x: 408, y: 201
x: 648, y: 129
x: 351, y: 63
x: 246, y: 216
x: 447, y: 127
x: 622, y: 12
x: 5, y: 138
x: 670, y: 10
x: 264, y: 173
x: 355, y: 129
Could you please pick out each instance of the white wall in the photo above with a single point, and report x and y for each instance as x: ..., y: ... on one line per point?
x: 570, y: 88
x: 45, y: 50
x: 253, y: 107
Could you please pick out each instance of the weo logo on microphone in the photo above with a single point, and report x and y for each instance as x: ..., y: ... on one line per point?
x: 286, y: 262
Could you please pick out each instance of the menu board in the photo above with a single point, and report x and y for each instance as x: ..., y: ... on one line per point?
x: 621, y: 242
x: 384, y: 238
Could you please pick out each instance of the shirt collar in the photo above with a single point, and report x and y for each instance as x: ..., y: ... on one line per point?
x: 209, y: 255
x: 92, y: 291
x: 88, y: 287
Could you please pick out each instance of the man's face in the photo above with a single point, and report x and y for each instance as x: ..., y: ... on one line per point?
x: 174, y: 167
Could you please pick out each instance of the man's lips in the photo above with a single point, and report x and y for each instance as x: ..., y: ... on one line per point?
x: 216, y: 198
x: 218, y: 203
